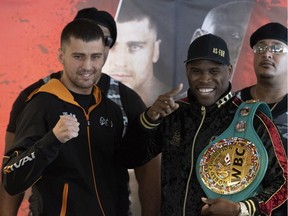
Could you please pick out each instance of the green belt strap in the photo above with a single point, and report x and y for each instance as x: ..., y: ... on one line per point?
x: 219, y: 165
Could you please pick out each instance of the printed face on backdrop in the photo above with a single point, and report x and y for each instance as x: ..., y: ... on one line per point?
x: 82, y: 64
x: 132, y: 57
x: 229, y: 21
x: 268, y: 63
x: 208, y: 80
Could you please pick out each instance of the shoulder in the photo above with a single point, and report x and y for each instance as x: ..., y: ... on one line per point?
x: 104, y: 83
x: 22, y: 98
x: 41, y: 98
x: 244, y: 93
x: 280, y: 108
x: 36, y: 85
x: 28, y: 90
x: 130, y: 99
x: 127, y: 91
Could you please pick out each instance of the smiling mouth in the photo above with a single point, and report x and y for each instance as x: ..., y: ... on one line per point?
x: 206, y: 91
x: 86, y: 75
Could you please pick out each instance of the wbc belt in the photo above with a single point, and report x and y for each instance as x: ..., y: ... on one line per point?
x: 233, y: 165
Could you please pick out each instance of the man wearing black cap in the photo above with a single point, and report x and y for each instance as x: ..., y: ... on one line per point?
x: 229, y: 21
x: 269, y: 44
x: 208, y: 145
x: 129, y: 102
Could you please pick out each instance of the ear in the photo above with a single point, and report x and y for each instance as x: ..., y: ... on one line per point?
x: 186, y: 68
x: 60, y: 56
x: 156, y: 52
x: 230, y: 68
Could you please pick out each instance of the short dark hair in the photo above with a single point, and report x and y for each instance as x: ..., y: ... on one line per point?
x: 83, y: 29
x: 131, y: 10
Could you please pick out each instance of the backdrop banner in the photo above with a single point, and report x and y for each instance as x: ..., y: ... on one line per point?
x: 30, y: 33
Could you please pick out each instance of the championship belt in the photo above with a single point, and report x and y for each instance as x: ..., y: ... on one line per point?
x: 233, y: 165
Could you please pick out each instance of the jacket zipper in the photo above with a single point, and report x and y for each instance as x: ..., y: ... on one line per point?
x: 64, y: 200
x: 203, y: 113
x: 92, y: 165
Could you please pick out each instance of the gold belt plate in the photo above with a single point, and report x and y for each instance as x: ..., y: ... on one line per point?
x: 229, y: 165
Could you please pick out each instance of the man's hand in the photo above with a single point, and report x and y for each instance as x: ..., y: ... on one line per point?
x: 66, y: 128
x: 165, y: 104
x: 220, y: 207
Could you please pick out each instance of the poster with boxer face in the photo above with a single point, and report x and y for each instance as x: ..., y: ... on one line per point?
x: 150, y: 49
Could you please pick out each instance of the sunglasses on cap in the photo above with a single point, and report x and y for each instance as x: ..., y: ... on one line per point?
x: 108, y: 41
x: 274, y: 48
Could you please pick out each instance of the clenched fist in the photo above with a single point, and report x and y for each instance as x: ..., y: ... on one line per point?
x: 66, y: 128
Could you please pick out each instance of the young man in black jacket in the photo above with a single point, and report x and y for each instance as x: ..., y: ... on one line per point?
x: 69, y: 134
x: 130, y: 104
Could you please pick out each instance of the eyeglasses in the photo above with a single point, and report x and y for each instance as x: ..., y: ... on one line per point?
x: 274, y: 48
x: 108, y: 41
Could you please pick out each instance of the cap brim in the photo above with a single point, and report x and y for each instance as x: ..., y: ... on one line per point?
x: 205, y: 58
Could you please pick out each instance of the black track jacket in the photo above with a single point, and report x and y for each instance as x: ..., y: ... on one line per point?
x: 74, y: 178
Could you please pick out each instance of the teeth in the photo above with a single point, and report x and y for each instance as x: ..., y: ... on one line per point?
x: 209, y: 90
x: 85, y: 74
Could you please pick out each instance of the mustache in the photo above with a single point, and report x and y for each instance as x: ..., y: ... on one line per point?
x: 265, y: 62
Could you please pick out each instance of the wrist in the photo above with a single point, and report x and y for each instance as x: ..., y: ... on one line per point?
x: 243, y: 209
x: 147, y: 122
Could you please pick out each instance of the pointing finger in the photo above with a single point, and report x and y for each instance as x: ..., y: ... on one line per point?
x: 175, y: 90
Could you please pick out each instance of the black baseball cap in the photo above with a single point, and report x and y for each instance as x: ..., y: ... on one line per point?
x: 209, y: 47
x: 271, y: 30
x: 101, y: 18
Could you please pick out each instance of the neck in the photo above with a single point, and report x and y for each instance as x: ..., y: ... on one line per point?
x: 268, y: 94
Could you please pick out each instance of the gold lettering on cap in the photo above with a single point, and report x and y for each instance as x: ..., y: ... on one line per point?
x: 219, y: 52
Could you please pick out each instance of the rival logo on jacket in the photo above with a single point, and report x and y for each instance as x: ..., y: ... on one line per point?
x: 20, y: 163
